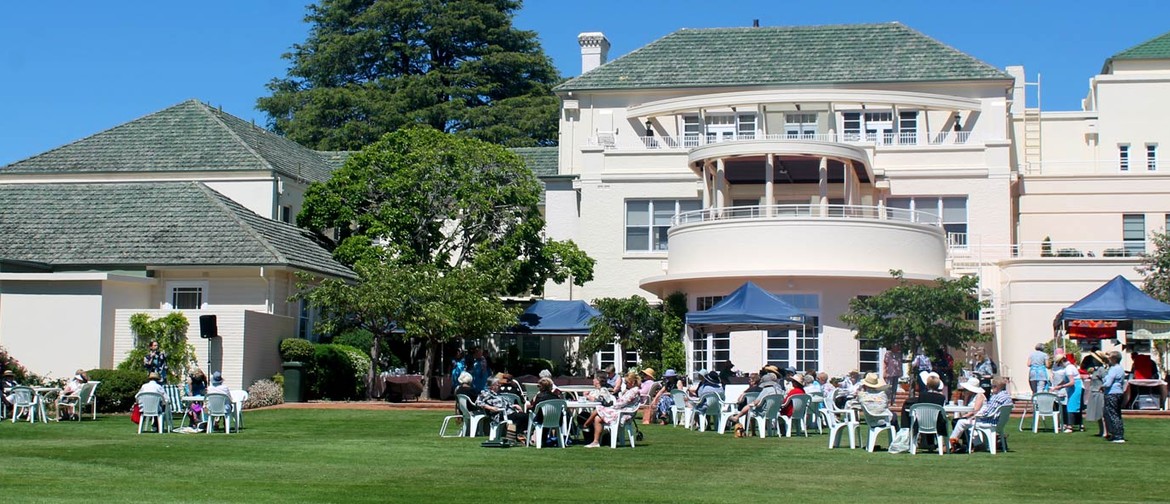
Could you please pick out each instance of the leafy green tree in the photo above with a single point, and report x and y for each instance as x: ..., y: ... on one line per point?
x: 1155, y: 268
x: 934, y: 317
x: 170, y: 331
x: 369, y: 67
x: 674, y: 312
x: 631, y: 322
x: 422, y: 197
x: 423, y: 301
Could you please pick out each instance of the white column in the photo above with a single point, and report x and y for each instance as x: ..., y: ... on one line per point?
x: 705, y: 170
x: 769, y: 182
x: 720, y: 185
x: 823, y: 185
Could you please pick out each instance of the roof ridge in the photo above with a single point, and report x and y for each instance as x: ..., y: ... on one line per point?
x: 222, y: 201
x: 207, y: 109
x: 111, y: 128
x: 790, y: 27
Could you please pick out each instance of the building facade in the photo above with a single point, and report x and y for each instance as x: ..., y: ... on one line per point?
x: 814, y: 160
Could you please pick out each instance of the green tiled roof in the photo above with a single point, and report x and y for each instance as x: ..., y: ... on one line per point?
x: 887, y: 52
x: 1155, y: 48
x: 148, y: 224
x: 190, y: 136
x: 541, y: 160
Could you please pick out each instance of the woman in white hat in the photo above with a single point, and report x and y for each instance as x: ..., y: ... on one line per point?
x: 974, y: 397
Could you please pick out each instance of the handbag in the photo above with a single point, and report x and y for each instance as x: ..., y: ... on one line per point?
x: 136, y: 413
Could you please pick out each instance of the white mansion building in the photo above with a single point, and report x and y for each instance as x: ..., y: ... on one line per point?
x: 814, y: 160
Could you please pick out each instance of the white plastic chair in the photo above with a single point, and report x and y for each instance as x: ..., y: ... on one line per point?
x: 799, y: 415
x: 1044, y: 405
x: 878, y: 424
x: 24, y: 399
x: 768, y: 416
x: 680, y: 408
x: 624, y: 427
x: 215, y: 405
x: 92, y: 402
x: 993, y: 435
x: 924, y: 420
x: 712, y: 407
x: 471, y: 421
x: 153, y: 406
x: 838, y: 419
x: 238, y: 399
x: 552, y: 416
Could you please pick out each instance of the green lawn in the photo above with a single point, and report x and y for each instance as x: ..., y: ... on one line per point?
x: 378, y: 456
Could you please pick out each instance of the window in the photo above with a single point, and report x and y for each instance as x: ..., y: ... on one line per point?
x: 186, y: 295
x: 800, y: 347
x: 1151, y: 157
x: 706, y: 346
x: 851, y: 126
x: 745, y: 126
x: 1123, y: 157
x: 1134, y: 233
x: 286, y: 214
x: 691, y: 130
x: 874, y: 126
x: 305, y: 317
x: 800, y: 125
x: 908, y: 127
x: 951, y: 211
x: 648, y: 221
x: 879, y: 127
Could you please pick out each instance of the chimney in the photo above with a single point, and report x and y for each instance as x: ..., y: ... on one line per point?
x: 755, y: 23
x: 594, y: 50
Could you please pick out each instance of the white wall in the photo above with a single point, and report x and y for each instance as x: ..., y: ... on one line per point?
x: 229, y: 357
x: 261, y: 345
x: 52, y: 327
x: 255, y: 195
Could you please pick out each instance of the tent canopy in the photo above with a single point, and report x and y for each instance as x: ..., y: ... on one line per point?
x: 570, y: 318
x: 748, y: 308
x: 1116, y: 300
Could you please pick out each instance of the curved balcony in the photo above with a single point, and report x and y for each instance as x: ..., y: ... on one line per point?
x: 802, y: 241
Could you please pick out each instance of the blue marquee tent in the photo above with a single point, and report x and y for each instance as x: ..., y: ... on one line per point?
x: 1116, y: 300
x: 748, y: 308
x: 566, y: 318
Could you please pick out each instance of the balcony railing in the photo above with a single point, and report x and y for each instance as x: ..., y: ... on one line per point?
x: 1100, y: 167
x: 807, y: 211
x: 893, y: 139
x: 1043, y: 249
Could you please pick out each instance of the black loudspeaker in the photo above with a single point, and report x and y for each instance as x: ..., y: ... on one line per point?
x: 207, y: 328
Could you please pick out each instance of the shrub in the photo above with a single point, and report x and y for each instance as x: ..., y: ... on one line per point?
x: 118, y: 387
x: 264, y: 393
x: 360, y: 339
x: 296, y: 350
x: 278, y: 379
x: 334, y: 374
x: 9, y: 363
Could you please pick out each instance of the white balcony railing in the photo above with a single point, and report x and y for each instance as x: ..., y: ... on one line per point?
x: 1045, y: 249
x: 1099, y: 167
x: 895, y: 139
x: 807, y: 211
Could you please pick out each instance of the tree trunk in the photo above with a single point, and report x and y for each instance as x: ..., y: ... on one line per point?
x: 375, y: 356
x: 428, y: 367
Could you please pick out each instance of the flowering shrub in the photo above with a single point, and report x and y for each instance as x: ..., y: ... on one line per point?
x: 9, y: 363
x: 264, y: 393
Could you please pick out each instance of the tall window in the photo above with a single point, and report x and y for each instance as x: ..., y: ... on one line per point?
x: 1151, y: 157
x: 800, y: 347
x: 1123, y: 157
x: 908, y: 127
x: 869, y: 356
x: 745, y: 126
x: 186, y: 295
x: 711, y: 349
x: 1134, y: 233
x: 648, y: 221
x: 305, y: 321
x: 800, y: 125
x: 286, y: 214
x: 952, y: 211
x: 691, y: 130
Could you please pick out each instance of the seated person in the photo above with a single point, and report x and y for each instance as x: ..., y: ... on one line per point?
x: 987, y: 416
x: 664, y: 402
x: 796, y: 388
x: 499, y: 410
x: 613, y: 415
x: 545, y: 393
x: 466, y: 388
x: 219, y: 387
x: 647, y: 392
x: 828, y: 390
x: 67, y: 402
x: 754, y: 385
x: 873, y: 399
x: 812, y: 385
x: 196, y: 386
x: 709, y: 385
x: 769, y: 386
x: 601, y: 389
x: 973, y: 397
x: 509, y: 385
x: 152, y: 385
x: 544, y: 373
x: 932, y: 394
x: 6, y: 384
x: 847, y: 388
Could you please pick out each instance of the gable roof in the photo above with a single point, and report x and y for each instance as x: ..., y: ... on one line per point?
x: 887, y: 52
x: 190, y: 136
x: 148, y: 224
x: 541, y: 160
x: 1155, y: 48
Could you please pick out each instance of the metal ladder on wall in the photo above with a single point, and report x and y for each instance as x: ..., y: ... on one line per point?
x: 1033, y: 143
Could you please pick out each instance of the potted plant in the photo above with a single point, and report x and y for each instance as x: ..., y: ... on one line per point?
x: 296, y: 354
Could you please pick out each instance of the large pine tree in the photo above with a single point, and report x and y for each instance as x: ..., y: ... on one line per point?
x: 370, y: 67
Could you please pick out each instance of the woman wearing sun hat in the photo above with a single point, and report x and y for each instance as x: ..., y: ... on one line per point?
x: 871, y: 395
x: 974, y: 398
x: 1094, y: 364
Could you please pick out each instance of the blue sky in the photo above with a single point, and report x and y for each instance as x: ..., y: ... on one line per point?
x: 71, y: 69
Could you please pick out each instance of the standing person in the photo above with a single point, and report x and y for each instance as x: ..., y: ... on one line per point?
x: 1094, y: 363
x: 1114, y: 384
x: 919, y: 368
x: 892, y: 371
x: 944, y: 365
x: 155, y: 361
x: 1073, y: 388
x: 458, y: 366
x: 1038, y: 369
x: 480, y: 371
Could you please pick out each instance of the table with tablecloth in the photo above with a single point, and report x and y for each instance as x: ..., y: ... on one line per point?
x: 400, y: 388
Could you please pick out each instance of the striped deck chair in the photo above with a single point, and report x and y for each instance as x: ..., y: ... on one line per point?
x: 175, y: 404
